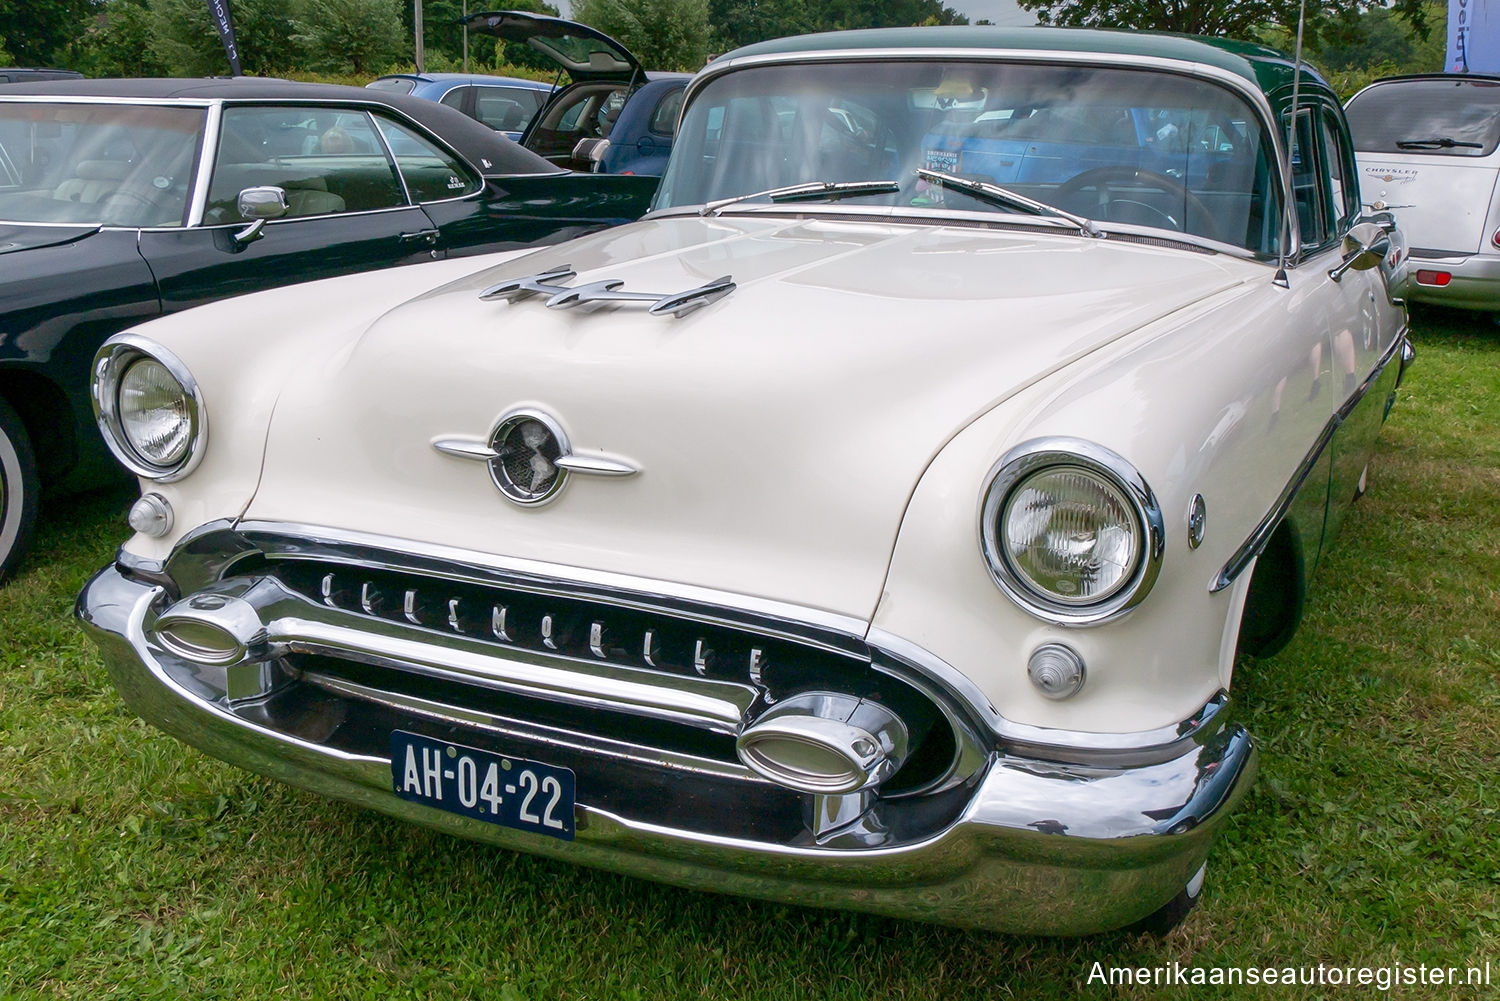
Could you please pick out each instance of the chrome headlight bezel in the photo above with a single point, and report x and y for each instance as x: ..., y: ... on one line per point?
x: 1015, y: 468
x: 110, y: 363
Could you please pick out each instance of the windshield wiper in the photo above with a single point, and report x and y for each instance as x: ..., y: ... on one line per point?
x: 810, y: 191
x: 996, y: 195
x: 1437, y: 142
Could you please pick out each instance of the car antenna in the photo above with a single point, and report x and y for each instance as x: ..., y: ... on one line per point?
x: 1281, y: 278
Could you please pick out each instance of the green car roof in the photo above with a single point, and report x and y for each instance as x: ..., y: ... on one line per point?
x: 1266, y: 68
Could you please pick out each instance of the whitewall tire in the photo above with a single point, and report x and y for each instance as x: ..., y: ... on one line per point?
x: 19, y: 488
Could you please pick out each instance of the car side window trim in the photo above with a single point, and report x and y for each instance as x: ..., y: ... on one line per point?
x: 390, y: 156
x: 360, y: 112
x: 208, y: 152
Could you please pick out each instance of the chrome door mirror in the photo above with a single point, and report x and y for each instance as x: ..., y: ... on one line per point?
x: 267, y: 202
x: 258, y: 205
x: 1365, y: 247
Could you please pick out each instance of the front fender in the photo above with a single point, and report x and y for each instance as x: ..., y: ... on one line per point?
x: 1221, y: 400
x: 291, y: 329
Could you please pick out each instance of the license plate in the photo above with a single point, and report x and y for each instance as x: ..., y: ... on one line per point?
x: 512, y: 792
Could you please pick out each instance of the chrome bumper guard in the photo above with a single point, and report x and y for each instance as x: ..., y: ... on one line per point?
x: 1030, y: 845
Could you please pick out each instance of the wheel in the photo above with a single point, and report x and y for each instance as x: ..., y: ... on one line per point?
x: 19, y: 487
x: 1171, y: 914
x: 1199, y: 218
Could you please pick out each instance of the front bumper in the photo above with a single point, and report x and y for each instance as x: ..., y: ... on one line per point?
x: 1474, y: 282
x: 1030, y: 845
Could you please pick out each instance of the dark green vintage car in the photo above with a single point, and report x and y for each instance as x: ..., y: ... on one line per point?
x: 121, y: 200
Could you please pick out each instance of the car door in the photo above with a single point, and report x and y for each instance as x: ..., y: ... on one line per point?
x: 648, y: 152
x: 1363, y: 333
x: 348, y: 208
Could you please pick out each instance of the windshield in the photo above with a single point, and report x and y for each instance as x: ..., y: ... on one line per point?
x: 1438, y: 117
x: 1111, y: 145
x: 115, y: 164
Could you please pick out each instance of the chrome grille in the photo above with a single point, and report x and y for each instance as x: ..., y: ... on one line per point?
x: 578, y: 628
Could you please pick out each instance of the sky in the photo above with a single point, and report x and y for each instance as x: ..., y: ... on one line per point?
x: 1002, y: 12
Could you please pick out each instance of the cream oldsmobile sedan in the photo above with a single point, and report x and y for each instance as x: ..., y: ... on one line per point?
x: 872, y: 525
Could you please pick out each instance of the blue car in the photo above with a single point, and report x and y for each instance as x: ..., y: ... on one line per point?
x: 613, y: 117
x: 506, y: 104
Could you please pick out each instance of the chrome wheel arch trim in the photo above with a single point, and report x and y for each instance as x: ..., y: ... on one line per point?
x: 1258, y: 539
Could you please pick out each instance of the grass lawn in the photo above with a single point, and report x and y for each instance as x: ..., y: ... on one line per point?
x: 131, y: 866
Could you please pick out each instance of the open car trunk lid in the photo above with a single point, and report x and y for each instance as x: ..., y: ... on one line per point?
x: 586, y: 53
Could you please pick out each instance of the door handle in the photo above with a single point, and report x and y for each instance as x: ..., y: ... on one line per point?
x: 424, y: 236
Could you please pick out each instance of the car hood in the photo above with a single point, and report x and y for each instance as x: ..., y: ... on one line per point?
x: 778, y: 432
x: 18, y: 236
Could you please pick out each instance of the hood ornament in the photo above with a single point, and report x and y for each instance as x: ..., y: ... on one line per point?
x: 560, y: 296
x: 529, y: 456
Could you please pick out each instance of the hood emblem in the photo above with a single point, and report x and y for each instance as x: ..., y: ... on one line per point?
x: 529, y: 457
x: 560, y: 296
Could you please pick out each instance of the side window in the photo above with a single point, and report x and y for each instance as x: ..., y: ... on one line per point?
x: 1344, y: 189
x: 506, y: 109
x: 430, y: 173
x: 1309, y: 175
x: 664, y: 118
x: 327, y: 160
x: 455, y: 97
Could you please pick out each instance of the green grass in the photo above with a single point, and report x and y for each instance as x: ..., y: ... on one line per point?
x: 131, y: 866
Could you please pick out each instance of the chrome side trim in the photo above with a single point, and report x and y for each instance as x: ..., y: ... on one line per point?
x: 1256, y: 543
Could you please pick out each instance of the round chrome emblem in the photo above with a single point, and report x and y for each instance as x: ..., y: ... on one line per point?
x: 1197, y: 521
x: 527, y: 445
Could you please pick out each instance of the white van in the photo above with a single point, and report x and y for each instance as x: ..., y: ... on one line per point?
x: 1426, y: 147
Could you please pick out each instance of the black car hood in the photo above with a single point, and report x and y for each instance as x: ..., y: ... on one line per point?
x: 586, y: 53
x: 19, y: 236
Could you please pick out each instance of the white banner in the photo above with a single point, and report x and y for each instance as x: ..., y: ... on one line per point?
x: 1473, y: 36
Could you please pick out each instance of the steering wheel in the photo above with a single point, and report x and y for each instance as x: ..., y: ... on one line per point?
x: 133, y: 204
x: 1199, y: 217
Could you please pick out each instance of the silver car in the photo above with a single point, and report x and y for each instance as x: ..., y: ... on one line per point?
x: 1427, y: 152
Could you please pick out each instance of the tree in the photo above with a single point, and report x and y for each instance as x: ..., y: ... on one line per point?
x: 741, y: 22
x: 4, y: 56
x: 185, y: 40
x: 663, y: 34
x: 744, y: 22
x: 839, y: 15
x: 38, y: 33
x: 117, y: 42
x: 348, y: 36
x: 1230, y: 18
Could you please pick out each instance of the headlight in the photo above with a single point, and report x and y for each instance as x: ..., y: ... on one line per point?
x: 1070, y: 531
x: 148, y: 407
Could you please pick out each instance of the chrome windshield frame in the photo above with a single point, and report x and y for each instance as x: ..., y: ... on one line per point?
x: 1254, y: 97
